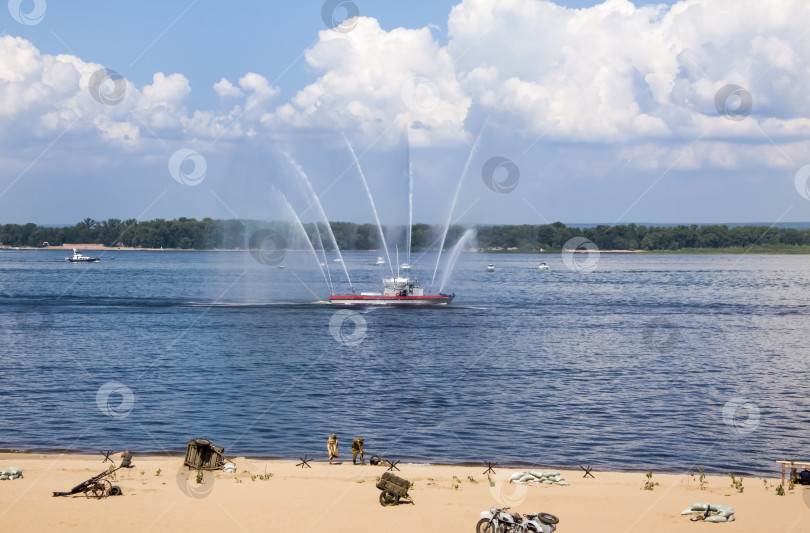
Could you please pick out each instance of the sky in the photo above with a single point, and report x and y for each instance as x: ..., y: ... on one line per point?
x: 507, y: 112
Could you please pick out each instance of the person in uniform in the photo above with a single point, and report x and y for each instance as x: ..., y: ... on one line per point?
x: 126, y: 459
x: 357, y: 448
x: 332, y: 445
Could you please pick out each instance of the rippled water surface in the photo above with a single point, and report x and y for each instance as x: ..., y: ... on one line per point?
x: 648, y: 362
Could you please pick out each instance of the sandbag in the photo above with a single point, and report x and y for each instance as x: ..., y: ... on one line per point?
x: 229, y: 468
x: 716, y: 518
x: 12, y: 472
x: 699, y: 506
x: 550, y: 473
x: 562, y: 482
x: 536, y: 473
x: 527, y: 477
x: 516, y: 476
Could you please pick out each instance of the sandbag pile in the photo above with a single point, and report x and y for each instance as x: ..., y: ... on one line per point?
x: 11, y: 473
x: 717, y: 511
x: 545, y: 477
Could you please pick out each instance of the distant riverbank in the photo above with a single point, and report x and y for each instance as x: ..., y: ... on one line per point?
x: 733, y: 250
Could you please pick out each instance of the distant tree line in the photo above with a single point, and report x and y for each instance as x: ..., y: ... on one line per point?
x: 633, y: 237
x: 206, y: 234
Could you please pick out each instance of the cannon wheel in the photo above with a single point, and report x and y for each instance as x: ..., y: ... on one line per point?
x: 388, y: 498
x: 100, y: 489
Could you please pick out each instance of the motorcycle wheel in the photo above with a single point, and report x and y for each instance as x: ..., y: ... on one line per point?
x: 548, y: 518
x: 484, y: 526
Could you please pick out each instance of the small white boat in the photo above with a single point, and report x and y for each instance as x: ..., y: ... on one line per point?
x: 490, y: 268
x: 405, y: 266
x: 380, y: 261
x: 543, y: 266
x: 337, y: 260
x: 79, y: 258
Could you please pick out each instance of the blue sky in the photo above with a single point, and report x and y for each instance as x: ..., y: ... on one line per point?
x: 614, y: 112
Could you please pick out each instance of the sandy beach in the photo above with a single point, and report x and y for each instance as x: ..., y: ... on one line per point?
x: 343, y: 497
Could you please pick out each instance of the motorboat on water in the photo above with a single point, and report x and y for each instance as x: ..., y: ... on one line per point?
x: 543, y: 266
x: 78, y: 257
x: 404, y: 266
x: 396, y: 291
x: 380, y: 261
x: 490, y: 268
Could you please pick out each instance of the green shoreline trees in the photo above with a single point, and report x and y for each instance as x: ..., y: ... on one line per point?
x: 207, y: 234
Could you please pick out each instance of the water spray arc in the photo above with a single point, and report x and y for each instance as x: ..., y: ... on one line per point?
x: 300, y: 227
x: 371, y: 200
x: 455, y: 200
x: 455, y: 252
x: 323, y: 255
x: 410, y: 200
x: 321, y: 212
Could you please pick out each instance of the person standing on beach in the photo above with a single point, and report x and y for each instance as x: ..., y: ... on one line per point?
x: 357, y: 447
x: 332, y: 444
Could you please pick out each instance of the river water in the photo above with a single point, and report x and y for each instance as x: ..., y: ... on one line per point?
x: 630, y: 362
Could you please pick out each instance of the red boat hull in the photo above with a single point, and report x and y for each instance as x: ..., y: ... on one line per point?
x: 441, y: 299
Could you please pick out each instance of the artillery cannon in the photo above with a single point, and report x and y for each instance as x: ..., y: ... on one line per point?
x: 95, y: 487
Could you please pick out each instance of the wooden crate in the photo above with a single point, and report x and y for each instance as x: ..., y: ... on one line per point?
x: 201, y: 454
x: 393, y: 484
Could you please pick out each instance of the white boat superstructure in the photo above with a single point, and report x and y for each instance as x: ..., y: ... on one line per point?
x: 380, y: 261
x: 490, y: 268
x: 543, y: 266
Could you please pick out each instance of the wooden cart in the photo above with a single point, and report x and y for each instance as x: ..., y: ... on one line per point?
x: 393, y: 489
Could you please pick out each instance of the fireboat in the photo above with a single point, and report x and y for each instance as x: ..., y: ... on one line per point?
x: 396, y: 291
